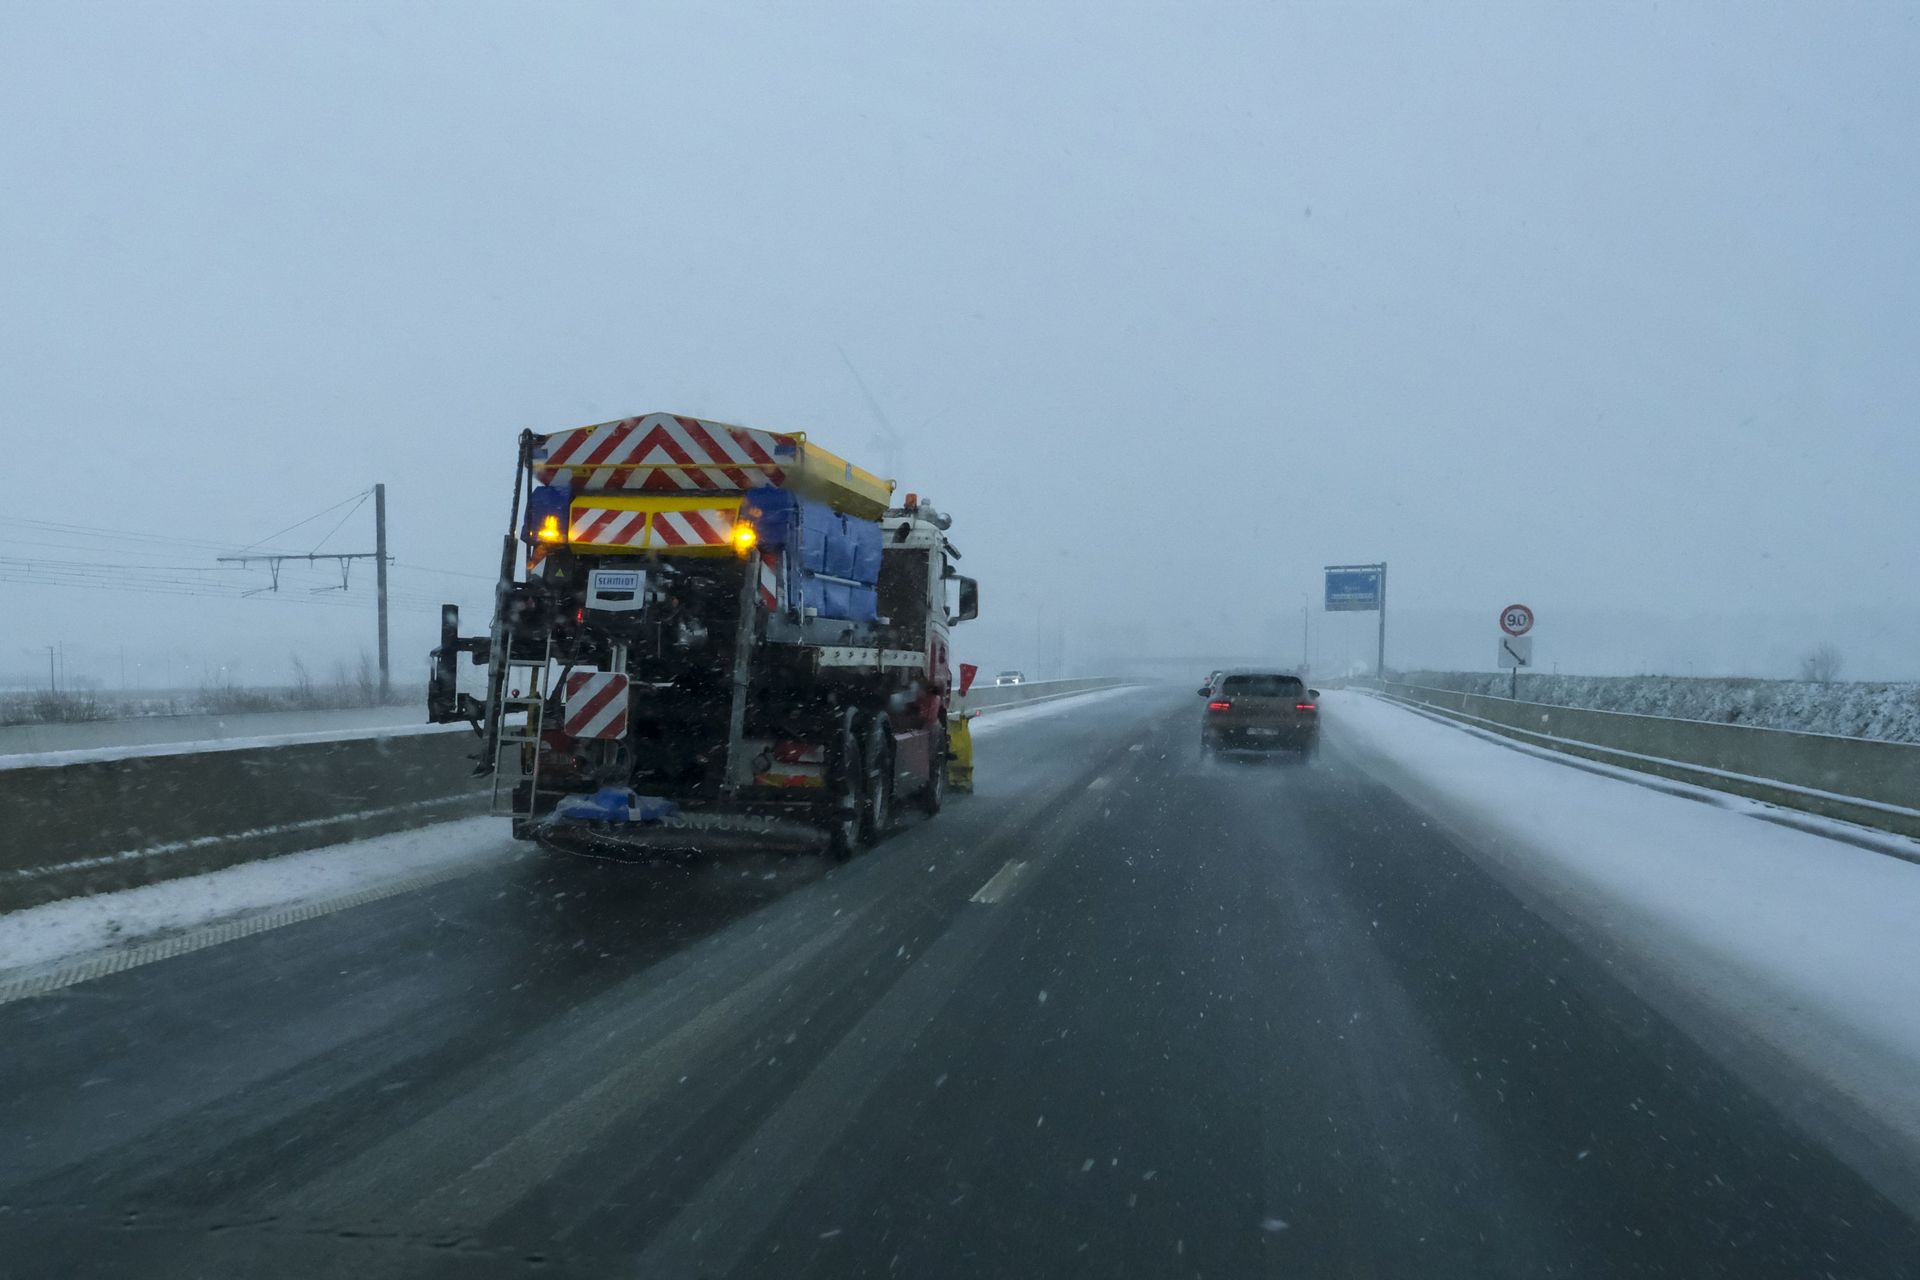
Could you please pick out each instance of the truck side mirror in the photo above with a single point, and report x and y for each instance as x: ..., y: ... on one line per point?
x: 1205, y: 690
x: 969, y: 600
x: 1314, y: 694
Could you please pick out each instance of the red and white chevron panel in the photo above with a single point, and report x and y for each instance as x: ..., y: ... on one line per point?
x: 596, y: 705
x: 770, y: 579
x: 709, y: 528
x: 661, y: 451
x: 592, y: 526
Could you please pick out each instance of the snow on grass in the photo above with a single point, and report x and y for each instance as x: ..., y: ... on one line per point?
x: 1889, y: 712
x: 38, y: 936
x: 1806, y: 944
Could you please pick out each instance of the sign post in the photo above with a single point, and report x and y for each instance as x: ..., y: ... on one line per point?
x: 1516, y: 646
x: 1361, y: 588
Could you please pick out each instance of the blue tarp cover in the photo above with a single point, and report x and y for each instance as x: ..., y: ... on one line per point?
x: 829, y: 543
x: 615, y: 804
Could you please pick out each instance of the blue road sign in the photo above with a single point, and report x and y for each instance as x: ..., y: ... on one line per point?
x: 1353, y: 590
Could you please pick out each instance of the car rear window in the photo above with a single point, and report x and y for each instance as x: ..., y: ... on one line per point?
x: 1263, y: 686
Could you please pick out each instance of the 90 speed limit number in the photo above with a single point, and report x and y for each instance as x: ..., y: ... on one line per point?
x: 1516, y: 619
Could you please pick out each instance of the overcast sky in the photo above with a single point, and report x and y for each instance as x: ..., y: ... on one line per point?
x: 1609, y: 309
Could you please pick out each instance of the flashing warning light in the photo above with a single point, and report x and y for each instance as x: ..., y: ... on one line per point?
x: 549, y: 530
x: 745, y: 538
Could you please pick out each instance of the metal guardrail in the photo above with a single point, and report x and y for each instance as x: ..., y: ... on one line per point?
x: 1873, y: 783
x: 70, y: 827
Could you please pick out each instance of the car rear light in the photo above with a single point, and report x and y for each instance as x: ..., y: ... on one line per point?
x: 1219, y: 706
x: 1304, y: 706
x: 799, y: 753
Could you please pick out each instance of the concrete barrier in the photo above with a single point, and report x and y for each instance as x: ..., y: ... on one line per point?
x: 988, y: 697
x: 95, y: 825
x: 1859, y: 780
x: 72, y: 826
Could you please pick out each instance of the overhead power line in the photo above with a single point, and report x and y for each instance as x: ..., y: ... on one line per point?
x: 356, y: 499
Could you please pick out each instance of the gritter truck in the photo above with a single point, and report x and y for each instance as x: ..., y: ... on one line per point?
x: 708, y: 636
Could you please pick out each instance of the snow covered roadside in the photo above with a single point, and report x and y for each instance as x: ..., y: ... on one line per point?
x: 1886, y: 711
x: 1795, y: 956
x: 38, y: 936
x: 1003, y: 717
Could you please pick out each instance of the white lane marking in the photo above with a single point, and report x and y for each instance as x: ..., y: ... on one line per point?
x: 997, y: 888
x: 1098, y: 783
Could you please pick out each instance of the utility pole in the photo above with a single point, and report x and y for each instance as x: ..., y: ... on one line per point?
x: 53, y: 680
x: 380, y: 572
x: 274, y: 559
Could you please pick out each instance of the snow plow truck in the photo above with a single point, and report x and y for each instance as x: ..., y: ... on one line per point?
x: 706, y: 637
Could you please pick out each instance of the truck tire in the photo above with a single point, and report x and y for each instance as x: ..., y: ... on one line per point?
x: 876, y: 814
x: 844, y: 808
x: 934, y: 794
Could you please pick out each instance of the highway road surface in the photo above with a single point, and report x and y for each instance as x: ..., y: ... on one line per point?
x: 1124, y: 1012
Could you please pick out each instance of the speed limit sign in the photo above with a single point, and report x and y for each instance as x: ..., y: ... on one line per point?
x: 1516, y: 619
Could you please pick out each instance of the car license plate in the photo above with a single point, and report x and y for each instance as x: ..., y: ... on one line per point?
x: 1264, y: 733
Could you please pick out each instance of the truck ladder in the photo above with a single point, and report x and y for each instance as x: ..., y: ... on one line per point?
x: 522, y: 741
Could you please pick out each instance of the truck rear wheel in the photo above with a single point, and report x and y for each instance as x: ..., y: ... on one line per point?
x: 844, y: 808
x: 876, y: 815
x: 935, y: 793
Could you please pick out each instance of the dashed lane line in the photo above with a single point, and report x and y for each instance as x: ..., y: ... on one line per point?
x: 1000, y: 884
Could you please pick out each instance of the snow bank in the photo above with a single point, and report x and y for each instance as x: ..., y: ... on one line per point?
x: 1852, y: 709
x: 1802, y: 944
x: 40, y: 935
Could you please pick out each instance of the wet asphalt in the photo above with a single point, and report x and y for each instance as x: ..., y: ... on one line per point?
x: 1126, y: 1011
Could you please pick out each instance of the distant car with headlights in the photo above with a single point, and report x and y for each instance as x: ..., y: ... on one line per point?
x: 1260, y: 710
x: 1010, y: 677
